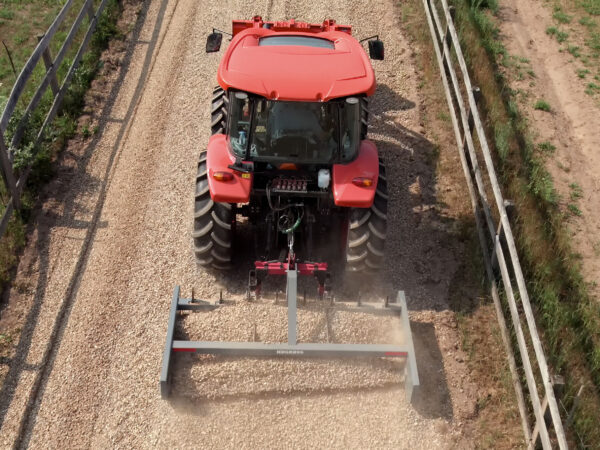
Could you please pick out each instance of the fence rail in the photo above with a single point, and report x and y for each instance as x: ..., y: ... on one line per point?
x: 495, y: 239
x: 15, y: 181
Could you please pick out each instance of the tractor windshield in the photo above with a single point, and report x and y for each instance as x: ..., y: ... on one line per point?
x: 302, y: 132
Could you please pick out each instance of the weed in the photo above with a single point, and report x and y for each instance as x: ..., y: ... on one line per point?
x: 591, y: 6
x: 502, y: 135
x: 587, y: 21
x: 542, y: 105
x: 85, y: 131
x: 576, y: 191
x: 574, y: 50
x: 20, y: 38
x: 551, y: 31
x: 23, y: 156
x: 531, y: 73
x: 444, y: 117
x: 562, y: 36
x: 546, y: 147
x: 560, y: 16
x: 574, y: 209
x: 513, y: 109
x: 479, y: 4
x: 594, y: 41
x: 592, y: 88
x: 6, y: 14
x: 541, y: 185
x: 581, y: 73
x: 5, y: 339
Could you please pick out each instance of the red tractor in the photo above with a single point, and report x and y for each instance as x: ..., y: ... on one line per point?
x: 289, y: 151
x: 289, y: 148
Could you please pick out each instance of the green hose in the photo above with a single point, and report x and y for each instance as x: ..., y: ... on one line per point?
x: 293, y: 227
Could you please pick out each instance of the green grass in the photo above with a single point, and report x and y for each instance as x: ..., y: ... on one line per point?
x: 28, y: 20
x: 560, y: 16
x: 587, y: 21
x: 561, y: 36
x: 6, y: 14
x: 591, y: 6
x: 594, y: 41
x: 574, y: 209
x: 592, y: 89
x: 574, y: 50
x: 547, y: 147
x: 65, y: 124
x: 502, y: 132
x: 576, y: 191
x: 542, y: 105
x: 444, y: 117
x: 581, y: 73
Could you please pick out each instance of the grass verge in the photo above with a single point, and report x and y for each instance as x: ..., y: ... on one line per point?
x: 568, y: 319
x: 59, y: 131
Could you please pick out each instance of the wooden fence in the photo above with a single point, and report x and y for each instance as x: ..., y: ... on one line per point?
x: 495, y: 239
x: 15, y: 182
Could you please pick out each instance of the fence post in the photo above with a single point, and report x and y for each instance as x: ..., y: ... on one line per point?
x: 90, y: 12
x: 7, y: 173
x: 47, y: 57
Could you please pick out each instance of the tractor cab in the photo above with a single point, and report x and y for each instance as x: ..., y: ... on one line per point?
x: 293, y: 132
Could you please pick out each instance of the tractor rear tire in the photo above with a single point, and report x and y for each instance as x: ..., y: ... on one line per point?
x: 367, y: 229
x: 218, y: 111
x: 214, y: 225
x: 364, y: 117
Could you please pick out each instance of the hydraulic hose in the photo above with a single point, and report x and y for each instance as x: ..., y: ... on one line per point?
x: 293, y: 227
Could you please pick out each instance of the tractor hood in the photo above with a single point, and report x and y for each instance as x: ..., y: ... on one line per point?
x: 296, y: 66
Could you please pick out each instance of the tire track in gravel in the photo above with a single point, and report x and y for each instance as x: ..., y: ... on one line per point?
x: 103, y: 389
x: 95, y: 359
x: 62, y: 319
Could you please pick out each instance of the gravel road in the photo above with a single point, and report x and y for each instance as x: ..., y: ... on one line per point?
x: 115, y: 238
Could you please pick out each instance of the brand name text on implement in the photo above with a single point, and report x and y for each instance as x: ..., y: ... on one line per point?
x: 290, y: 352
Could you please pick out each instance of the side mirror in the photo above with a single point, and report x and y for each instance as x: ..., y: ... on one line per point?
x: 376, y: 49
x: 213, y: 42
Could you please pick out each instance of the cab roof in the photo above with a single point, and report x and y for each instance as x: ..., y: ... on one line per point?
x: 296, y: 61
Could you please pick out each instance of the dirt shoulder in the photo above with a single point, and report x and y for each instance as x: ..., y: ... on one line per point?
x: 570, y: 131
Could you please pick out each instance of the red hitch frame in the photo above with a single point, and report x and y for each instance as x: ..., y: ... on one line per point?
x: 264, y: 268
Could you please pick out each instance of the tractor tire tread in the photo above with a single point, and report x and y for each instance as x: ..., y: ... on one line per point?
x: 213, y: 225
x: 367, y: 228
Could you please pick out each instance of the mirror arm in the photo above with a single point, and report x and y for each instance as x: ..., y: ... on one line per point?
x: 221, y: 31
x: 369, y: 38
